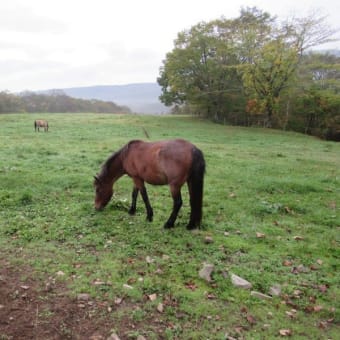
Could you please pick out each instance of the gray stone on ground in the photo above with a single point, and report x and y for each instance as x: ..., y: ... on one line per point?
x: 205, y: 272
x: 239, y: 282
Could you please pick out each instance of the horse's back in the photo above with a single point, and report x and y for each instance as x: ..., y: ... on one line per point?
x: 160, y: 162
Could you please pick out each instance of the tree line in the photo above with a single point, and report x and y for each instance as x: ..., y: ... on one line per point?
x: 55, y: 102
x: 253, y: 70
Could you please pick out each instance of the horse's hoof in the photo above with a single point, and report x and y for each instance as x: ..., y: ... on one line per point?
x: 132, y: 212
x: 168, y: 226
x: 191, y: 227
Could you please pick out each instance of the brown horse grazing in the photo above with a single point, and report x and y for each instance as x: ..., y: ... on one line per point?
x: 171, y: 162
x: 40, y: 123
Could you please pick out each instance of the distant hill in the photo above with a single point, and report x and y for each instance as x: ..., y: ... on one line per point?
x: 140, y: 98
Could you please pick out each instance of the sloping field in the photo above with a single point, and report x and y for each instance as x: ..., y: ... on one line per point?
x: 271, y: 217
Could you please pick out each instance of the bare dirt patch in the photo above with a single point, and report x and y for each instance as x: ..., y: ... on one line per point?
x: 35, y: 309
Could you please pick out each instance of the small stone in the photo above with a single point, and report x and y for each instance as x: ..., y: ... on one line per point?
x: 25, y: 287
x: 83, y: 297
x: 260, y: 295
x: 60, y: 273
x: 141, y: 337
x: 113, y: 336
x: 275, y: 290
x: 48, y: 287
x: 208, y: 240
x: 96, y: 337
x: 160, y: 308
x: 99, y: 282
x: 205, y: 272
x: 152, y: 297
x: 149, y: 260
x: 260, y: 235
x: 240, y: 282
x: 127, y: 286
x: 118, y: 301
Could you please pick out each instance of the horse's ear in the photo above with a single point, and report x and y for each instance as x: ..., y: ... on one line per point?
x: 96, y: 179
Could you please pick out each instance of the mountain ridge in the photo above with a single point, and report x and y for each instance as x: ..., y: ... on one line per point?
x: 139, y: 97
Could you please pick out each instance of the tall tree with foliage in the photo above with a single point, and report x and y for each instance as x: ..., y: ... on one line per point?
x: 274, y: 65
x: 200, y: 71
x: 248, y: 59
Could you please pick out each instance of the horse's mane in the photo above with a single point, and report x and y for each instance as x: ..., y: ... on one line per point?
x: 121, y: 153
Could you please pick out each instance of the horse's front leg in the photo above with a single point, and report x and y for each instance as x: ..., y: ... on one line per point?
x: 149, y: 211
x: 139, y: 184
x: 132, y: 209
x: 177, y: 203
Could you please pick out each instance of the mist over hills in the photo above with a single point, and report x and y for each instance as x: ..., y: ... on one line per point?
x: 140, y: 97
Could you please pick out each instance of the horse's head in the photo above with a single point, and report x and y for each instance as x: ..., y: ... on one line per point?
x: 104, y: 193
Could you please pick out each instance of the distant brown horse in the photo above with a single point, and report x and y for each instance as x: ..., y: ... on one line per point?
x: 171, y: 162
x: 40, y: 123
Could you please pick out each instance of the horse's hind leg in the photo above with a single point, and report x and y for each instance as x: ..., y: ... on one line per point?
x: 132, y: 209
x: 177, y: 203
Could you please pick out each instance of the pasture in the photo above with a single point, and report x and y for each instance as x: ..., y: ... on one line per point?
x: 270, y: 215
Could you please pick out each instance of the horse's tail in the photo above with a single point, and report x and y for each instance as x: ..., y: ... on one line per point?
x: 195, y: 184
x: 35, y: 125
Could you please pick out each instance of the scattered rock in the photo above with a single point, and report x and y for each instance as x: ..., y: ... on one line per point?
x: 60, y: 273
x: 152, y: 297
x: 49, y: 286
x: 141, y: 337
x: 118, y: 301
x: 127, y: 286
x: 160, y: 308
x: 240, y: 282
x: 260, y: 295
x: 260, y: 235
x: 208, y: 239
x: 275, y: 290
x: 83, y: 297
x: 113, y: 336
x: 285, y: 332
x: 98, y: 282
x: 149, y: 260
x: 25, y: 287
x: 96, y: 337
x: 205, y: 272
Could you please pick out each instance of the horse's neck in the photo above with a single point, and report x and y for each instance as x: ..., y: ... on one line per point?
x: 115, y: 169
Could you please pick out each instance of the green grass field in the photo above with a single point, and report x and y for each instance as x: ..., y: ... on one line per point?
x: 271, y: 204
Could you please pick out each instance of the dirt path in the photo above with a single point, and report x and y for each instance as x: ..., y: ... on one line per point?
x: 32, y: 309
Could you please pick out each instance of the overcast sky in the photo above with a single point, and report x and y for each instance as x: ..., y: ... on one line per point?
x: 48, y: 44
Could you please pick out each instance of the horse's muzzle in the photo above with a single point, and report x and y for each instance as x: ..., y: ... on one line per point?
x: 98, y: 207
